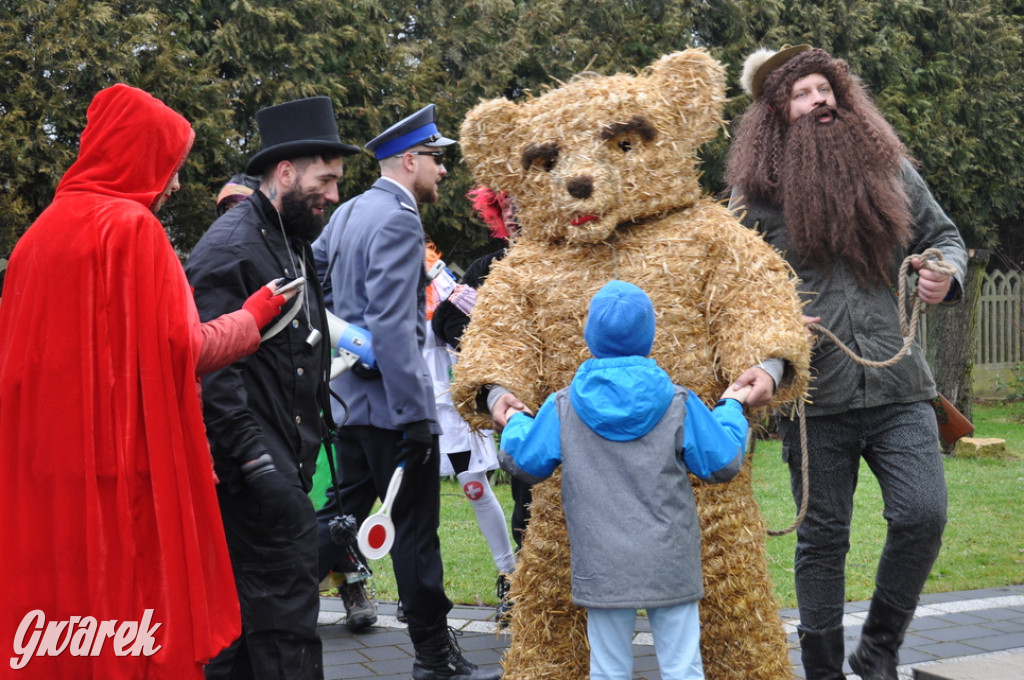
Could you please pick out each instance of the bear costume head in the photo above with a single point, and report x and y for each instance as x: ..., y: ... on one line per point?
x: 584, y: 158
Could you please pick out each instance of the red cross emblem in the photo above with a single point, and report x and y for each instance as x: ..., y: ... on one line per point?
x: 473, y: 490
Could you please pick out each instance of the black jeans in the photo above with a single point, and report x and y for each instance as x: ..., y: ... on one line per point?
x: 365, y: 465
x: 899, y: 442
x: 522, y: 496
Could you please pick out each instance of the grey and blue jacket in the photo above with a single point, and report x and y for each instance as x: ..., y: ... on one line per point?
x: 625, y: 437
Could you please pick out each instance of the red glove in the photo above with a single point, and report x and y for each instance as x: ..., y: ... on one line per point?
x: 264, y: 306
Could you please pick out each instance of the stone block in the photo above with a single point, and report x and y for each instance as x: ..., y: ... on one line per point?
x: 1003, y: 666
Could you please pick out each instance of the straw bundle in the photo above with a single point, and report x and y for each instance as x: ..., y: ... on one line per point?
x: 549, y: 632
x: 723, y: 300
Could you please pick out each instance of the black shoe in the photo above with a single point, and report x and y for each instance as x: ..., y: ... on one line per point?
x: 438, y: 657
x: 400, y: 613
x: 360, y: 610
x: 503, y: 613
x: 878, y: 652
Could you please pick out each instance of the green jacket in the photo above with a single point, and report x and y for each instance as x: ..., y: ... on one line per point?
x: 866, y: 321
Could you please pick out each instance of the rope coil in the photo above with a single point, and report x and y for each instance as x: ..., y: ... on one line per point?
x: 930, y: 259
x: 909, y: 330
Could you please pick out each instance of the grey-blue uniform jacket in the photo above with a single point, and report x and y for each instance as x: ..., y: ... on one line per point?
x: 370, y: 258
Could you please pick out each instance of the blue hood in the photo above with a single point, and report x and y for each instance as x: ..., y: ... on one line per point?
x: 621, y: 398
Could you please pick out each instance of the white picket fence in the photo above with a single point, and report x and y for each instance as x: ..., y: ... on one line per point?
x: 1001, y: 320
x: 1000, y: 331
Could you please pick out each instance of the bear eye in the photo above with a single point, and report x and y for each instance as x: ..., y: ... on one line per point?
x: 540, y: 156
x: 628, y: 134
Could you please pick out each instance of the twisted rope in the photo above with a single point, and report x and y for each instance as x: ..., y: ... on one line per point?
x: 909, y: 333
x: 804, y: 475
x: 909, y: 330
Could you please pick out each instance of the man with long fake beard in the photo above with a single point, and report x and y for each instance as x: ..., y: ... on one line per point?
x: 263, y: 414
x: 817, y: 170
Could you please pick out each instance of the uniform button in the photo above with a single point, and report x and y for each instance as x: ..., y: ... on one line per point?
x: 295, y: 323
x: 300, y: 371
x: 298, y: 420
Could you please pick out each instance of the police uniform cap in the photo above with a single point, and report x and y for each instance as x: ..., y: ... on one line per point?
x: 418, y: 129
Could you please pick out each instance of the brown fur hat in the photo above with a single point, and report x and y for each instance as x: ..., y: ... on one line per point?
x: 762, y: 62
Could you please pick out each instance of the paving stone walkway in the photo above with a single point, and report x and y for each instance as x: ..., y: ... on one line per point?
x: 971, y: 635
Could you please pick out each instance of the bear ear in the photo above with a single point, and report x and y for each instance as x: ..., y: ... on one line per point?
x: 694, y: 85
x: 485, y: 139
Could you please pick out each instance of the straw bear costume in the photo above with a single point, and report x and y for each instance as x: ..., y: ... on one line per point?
x: 603, y: 173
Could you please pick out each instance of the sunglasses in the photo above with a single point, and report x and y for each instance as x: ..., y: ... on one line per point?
x: 438, y: 155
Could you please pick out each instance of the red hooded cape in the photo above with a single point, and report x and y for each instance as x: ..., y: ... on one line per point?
x: 107, y: 499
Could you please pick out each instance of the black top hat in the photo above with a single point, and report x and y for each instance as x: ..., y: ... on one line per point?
x: 303, y: 127
x: 419, y: 128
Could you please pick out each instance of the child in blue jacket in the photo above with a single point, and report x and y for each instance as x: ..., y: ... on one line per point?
x: 625, y: 437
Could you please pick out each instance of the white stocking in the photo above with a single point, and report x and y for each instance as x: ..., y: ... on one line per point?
x: 490, y: 517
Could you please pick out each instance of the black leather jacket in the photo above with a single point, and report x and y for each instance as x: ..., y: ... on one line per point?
x: 271, y: 401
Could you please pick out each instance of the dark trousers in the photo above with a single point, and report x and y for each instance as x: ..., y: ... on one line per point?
x: 899, y: 443
x: 275, y: 573
x: 365, y: 465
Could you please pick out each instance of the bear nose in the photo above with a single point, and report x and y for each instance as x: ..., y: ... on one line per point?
x: 581, y: 186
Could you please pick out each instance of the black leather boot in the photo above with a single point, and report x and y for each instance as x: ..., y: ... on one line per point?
x: 821, y: 652
x: 438, y: 657
x: 877, y: 654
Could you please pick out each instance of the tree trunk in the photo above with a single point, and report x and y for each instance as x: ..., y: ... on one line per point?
x: 953, y: 338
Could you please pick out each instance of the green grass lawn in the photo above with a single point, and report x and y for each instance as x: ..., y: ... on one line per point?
x: 983, y: 543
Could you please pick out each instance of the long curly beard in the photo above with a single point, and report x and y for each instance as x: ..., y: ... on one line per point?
x: 842, y: 196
